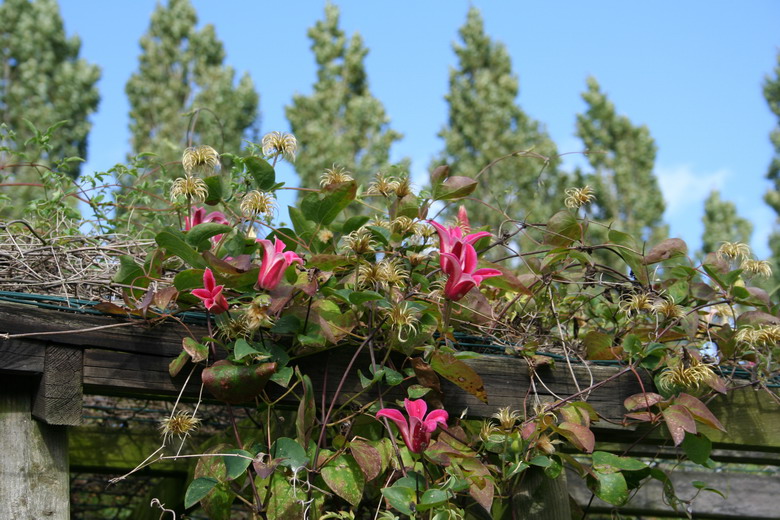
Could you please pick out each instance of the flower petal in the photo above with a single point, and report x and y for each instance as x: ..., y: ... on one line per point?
x: 416, y: 408
x: 208, y: 280
x: 434, y: 418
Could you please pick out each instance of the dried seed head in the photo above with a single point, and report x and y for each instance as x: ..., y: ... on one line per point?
x: 489, y: 432
x: 578, y: 197
x: 689, y: 375
x: 760, y: 268
x: 732, y: 251
x: 335, y: 175
x: 507, y: 418
x: 278, y: 143
x: 403, y: 319
x: 324, y: 235
x: 258, y: 203
x: 384, y: 185
x: 191, y: 187
x: 668, y: 308
x: 404, y: 225
x: 200, y: 159
x: 635, y: 303
x: 180, y: 424
x: 392, y: 272
x: 359, y: 242
x: 403, y: 187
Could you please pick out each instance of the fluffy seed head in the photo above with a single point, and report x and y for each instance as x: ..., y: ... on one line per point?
x: 578, y: 197
x: 200, y: 159
x: 384, y: 185
x: 278, y: 143
x: 733, y: 250
x: 507, y: 418
x: 258, y: 203
x: 335, y: 175
x: 191, y: 187
x: 760, y: 268
x: 180, y: 424
x: 359, y: 242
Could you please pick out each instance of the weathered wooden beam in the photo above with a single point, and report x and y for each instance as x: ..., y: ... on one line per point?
x: 748, y: 496
x: 59, y: 395
x: 34, y: 479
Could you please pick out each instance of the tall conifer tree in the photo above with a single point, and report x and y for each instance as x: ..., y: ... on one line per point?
x: 722, y: 224
x: 622, y: 156
x: 772, y: 196
x: 485, y: 123
x: 43, y: 80
x: 340, y: 122
x: 182, y: 70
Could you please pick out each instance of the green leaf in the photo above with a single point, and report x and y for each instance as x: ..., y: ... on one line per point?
x: 609, y: 462
x: 611, y: 488
x: 286, y: 501
x: 197, y: 351
x: 697, y: 448
x: 288, y: 324
x: 401, y: 498
x: 432, y: 498
x: 261, y: 171
x: 204, y: 231
x: 216, y: 190
x: 325, y: 210
x: 198, y: 489
x: 354, y: 223
x: 236, y: 466
x: 629, y: 252
x: 562, y: 229
x: 173, y: 241
x: 307, y: 410
x: 458, y: 372
x: 177, y: 364
x: 542, y: 461
x: 242, y: 349
x: 292, y: 454
x: 236, y: 384
x: 188, y: 279
x: 360, y: 297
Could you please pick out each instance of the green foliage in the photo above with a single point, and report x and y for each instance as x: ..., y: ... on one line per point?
x: 622, y: 157
x: 44, y: 85
x: 182, y: 93
x: 722, y: 224
x: 340, y: 123
x: 485, y: 124
x: 772, y: 196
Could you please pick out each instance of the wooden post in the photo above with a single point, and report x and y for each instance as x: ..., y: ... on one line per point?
x: 34, y: 479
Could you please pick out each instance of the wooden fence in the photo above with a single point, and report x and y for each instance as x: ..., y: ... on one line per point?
x: 50, y: 358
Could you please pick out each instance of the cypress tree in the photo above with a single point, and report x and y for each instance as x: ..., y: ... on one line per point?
x: 181, y: 76
x: 622, y: 157
x: 340, y: 122
x: 43, y: 81
x: 485, y: 123
x: 772, y: 196
x: 722, y: 224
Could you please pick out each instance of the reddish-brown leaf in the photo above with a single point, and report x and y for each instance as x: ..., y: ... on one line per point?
x: 367, y: 457
x: 458, y: 372
x: 579, y: 435
x: 640, y: 401
x: 679, y: 420
x: 699, y: 411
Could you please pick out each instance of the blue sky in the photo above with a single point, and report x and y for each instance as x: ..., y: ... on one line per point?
x: 691, y: 71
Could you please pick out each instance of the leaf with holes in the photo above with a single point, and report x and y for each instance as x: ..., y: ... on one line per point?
x: 458, y: 372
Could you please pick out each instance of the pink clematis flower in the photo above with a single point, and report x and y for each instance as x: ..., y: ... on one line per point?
x: 199, y: 216
x: 275, y: 262
x: 211, y: 294
x: 417, y: 431
x: 462, y: 272
x: 451, y: 239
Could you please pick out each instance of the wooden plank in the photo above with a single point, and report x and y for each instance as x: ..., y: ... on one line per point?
x: 87, y: 330
x: 59, y: 396
x: 34, y: 479
x: 749, y: 496
x: 22, y: 357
